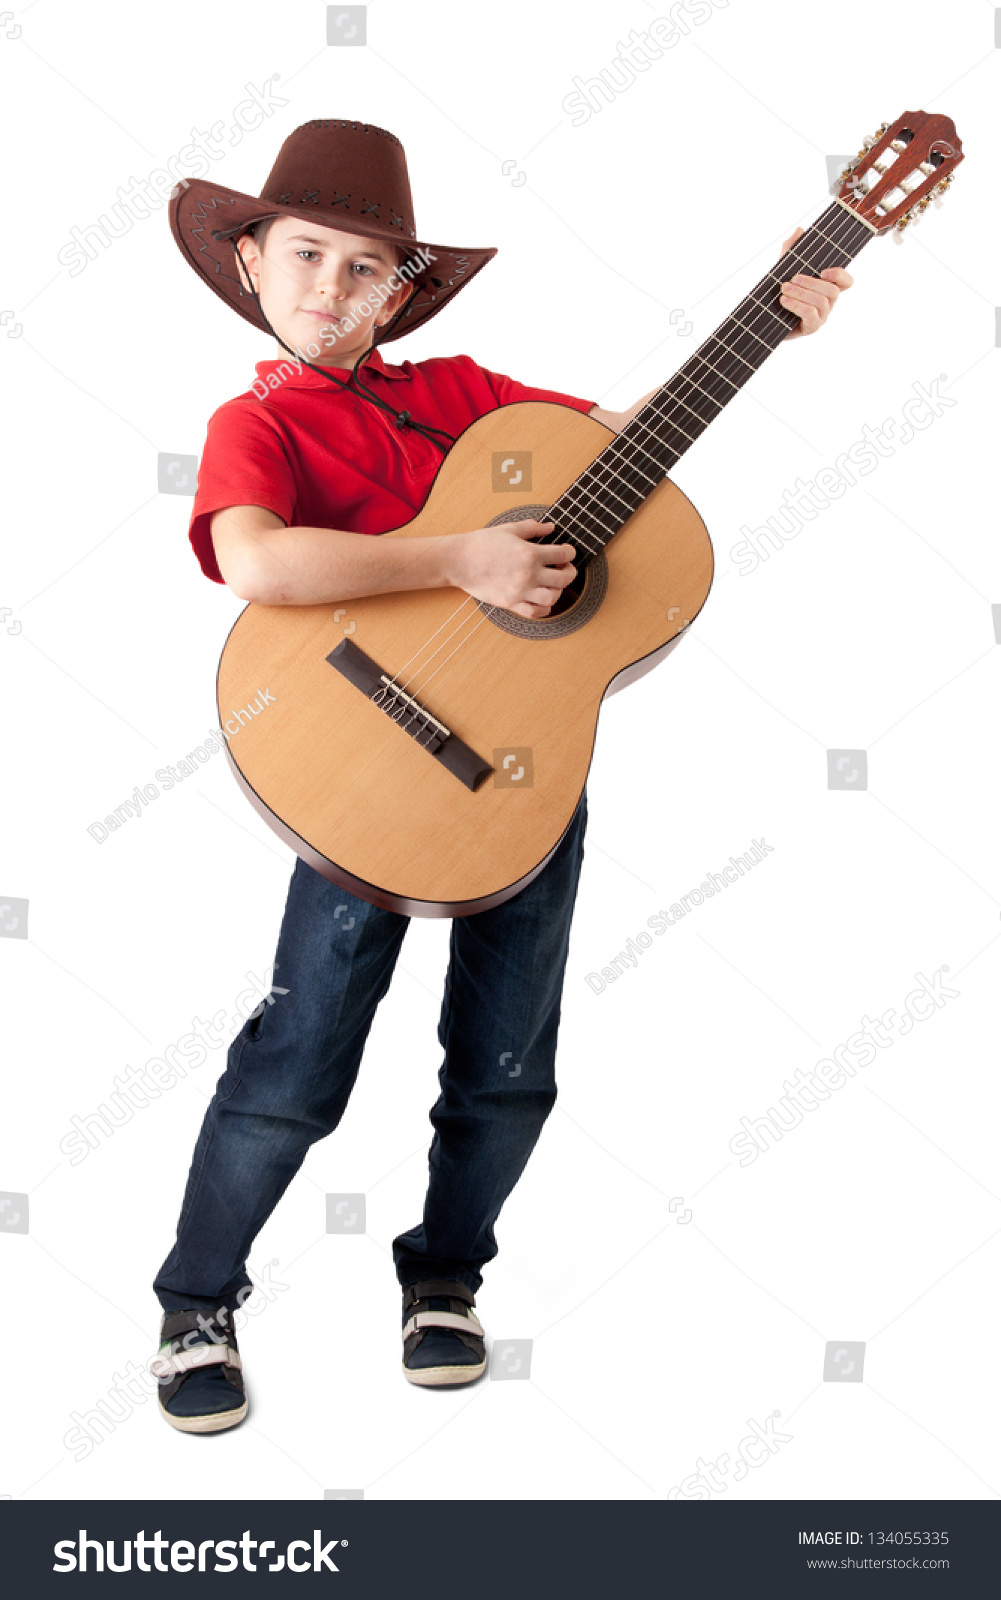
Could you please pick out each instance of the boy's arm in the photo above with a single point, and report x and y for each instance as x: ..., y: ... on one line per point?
x: 262, y: 560
x: 616, y: 420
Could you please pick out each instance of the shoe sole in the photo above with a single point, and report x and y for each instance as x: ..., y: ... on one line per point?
x: 212, y: 1422
x: 436, y: 1377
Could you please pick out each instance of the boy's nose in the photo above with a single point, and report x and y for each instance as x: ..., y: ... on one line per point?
x: 331, y: 284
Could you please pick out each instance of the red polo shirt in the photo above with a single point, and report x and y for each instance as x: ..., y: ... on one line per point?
x: 322, y: 459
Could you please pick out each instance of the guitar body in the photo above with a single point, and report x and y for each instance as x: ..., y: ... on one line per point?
x: 354, y: 793
x: 427, y: 751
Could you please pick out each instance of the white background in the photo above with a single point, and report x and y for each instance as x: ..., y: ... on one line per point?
x: 655, y: 1341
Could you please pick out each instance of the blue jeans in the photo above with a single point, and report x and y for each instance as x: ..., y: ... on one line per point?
x: 290, y: 1072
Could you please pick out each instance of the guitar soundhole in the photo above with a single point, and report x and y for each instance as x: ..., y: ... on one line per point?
x: 576, y: 605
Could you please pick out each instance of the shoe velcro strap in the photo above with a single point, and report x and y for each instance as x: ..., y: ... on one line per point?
x: 198, y: 1355
x: 435, y: 1286
x: 442, y: 1319
x: 177, y: 1322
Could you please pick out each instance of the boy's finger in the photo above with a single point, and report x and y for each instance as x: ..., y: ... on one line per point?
x: 817, y: 288
x: 799, y: 297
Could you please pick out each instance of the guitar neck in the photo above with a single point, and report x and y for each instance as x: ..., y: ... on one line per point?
x: 616, y: 483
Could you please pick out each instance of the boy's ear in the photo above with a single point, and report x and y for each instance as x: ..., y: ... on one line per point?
x: 250, y: 252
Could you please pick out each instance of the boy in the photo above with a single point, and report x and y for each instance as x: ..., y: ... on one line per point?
x: 324, y: 447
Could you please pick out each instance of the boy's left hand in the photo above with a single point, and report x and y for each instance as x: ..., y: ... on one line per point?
x: 812, y: 298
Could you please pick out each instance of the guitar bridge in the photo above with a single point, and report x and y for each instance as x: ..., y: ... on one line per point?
x: 408, y: 714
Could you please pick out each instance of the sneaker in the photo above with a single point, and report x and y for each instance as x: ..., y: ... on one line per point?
x: 199, y: 1371
x: 443, y: 1342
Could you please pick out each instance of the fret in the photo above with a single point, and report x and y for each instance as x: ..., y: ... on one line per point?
x: 632, y: 450
x: 616, y: 483
x: 766, y: 309
x: 614, y: 472
x: 585, y: 490
x: 729, y: 346
x: 741, y: 323
x: 634, y: 466
x: 686, y: 377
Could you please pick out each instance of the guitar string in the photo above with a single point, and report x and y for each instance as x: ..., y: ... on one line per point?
x: 592, y: 497
x: 822, y: 240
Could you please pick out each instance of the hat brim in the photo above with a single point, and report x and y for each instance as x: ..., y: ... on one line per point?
x: 198, y: 207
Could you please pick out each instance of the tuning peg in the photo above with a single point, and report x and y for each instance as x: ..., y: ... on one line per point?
x: 871, y: 139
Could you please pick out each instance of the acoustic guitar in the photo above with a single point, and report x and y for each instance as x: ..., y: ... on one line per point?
x: 426, y: 750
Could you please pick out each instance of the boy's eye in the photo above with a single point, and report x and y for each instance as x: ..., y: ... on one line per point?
x: 370, y: 271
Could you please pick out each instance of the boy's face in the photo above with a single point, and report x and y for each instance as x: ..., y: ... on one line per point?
x: 311, y: 279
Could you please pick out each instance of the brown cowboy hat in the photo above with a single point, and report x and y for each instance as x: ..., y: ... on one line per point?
x: 347, y: 175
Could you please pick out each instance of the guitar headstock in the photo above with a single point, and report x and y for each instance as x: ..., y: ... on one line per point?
x: 900, y: 168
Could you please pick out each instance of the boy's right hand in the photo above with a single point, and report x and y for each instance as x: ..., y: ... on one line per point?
x: 503, y: 566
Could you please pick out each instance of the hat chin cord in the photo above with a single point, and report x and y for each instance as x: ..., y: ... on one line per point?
x: 403, y: 418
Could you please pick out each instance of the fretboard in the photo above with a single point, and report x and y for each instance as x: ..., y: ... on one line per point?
x: 606, y: 494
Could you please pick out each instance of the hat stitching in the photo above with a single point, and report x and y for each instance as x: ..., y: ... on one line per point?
x: 204, y: 249
x: 418, y: 302
x: 333, y: 122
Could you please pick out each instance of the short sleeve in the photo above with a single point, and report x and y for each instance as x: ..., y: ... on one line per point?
x: 508, y: 390
x: 243, y: 463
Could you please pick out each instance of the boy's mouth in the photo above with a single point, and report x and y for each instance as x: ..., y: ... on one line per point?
x: 328, y: 316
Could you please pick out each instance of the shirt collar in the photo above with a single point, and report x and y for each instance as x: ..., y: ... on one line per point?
x: 287, y: 371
